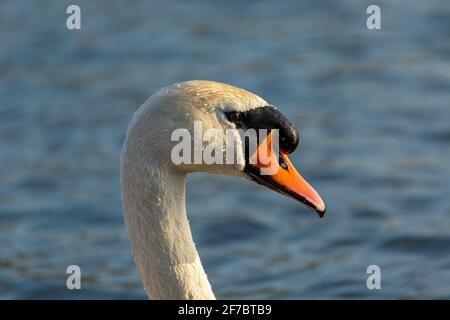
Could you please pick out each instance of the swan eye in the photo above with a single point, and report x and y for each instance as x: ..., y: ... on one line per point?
x: 233, y: 116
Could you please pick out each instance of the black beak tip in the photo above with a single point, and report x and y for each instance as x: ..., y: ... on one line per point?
x: 321, y: 213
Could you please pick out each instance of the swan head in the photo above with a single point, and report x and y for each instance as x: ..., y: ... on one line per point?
x: 206, y: 126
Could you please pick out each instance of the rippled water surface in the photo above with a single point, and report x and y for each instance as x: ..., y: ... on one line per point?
x: 373, y: 109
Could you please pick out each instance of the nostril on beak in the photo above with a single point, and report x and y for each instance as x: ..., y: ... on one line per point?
x: 282, y: 163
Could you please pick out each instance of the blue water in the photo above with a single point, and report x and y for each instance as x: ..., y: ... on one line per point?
x: 372, y: 108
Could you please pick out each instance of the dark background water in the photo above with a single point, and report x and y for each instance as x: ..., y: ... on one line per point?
x: 372, y: 108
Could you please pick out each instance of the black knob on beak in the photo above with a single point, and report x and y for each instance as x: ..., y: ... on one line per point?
x: 267, y: 117
x: 289, y: 137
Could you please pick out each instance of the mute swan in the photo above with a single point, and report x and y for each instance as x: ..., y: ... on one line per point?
x: 153, y: 187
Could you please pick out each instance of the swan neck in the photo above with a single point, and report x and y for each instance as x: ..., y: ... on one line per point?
x: 161, y: 240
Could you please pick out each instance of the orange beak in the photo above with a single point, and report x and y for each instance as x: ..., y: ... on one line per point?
x: 278, y: 173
